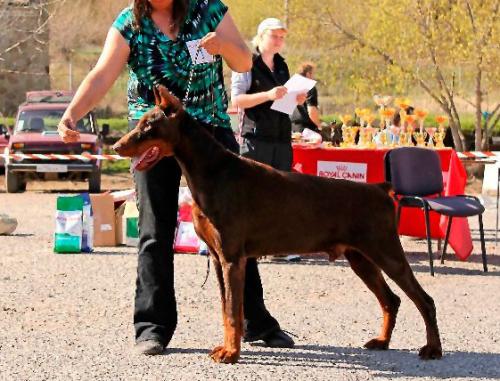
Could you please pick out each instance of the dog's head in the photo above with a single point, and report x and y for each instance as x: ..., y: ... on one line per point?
x: 156, y: 134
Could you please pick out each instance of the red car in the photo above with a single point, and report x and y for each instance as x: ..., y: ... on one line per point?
x: 35, y: 132
x: 4, y: 141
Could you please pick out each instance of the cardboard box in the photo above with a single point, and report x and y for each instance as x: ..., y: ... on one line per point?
x: 104, y: 219
x: 119, y: 236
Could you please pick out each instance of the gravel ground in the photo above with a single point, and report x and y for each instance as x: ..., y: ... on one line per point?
x: 68, y: 317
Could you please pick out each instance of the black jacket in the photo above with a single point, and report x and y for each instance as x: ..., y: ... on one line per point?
x: 260, y: 121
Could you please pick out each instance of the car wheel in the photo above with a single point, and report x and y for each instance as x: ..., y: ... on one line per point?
x: 95, y: 180
x: 13, y: 182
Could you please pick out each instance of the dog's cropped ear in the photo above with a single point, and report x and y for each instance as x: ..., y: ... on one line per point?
x: 168, y: 99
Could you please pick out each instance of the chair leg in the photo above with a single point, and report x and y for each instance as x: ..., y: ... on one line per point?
x: 448, y: 228
x: 429, y: 244
x: 483, y: 246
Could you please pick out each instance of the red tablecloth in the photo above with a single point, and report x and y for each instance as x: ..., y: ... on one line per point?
x: 367, y: 165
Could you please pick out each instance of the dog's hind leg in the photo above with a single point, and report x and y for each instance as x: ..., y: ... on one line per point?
x: 390, y: 257
x: 233, y: 278
x: 371, y: 275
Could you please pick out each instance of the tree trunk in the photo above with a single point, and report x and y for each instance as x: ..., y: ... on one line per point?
x: 286, y: 6
x: 478, y: 136
x: 485, y: 141
x: 458, y: 138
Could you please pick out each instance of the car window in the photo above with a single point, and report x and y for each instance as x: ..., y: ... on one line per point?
x: 47, y: 121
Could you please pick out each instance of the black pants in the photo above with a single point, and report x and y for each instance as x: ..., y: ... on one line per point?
x: 155, y: 312
x: 278, y: 155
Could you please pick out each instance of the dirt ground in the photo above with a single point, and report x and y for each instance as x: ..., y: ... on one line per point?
x: 69, y: 317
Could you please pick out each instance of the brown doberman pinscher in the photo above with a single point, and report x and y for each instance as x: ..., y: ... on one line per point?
x: 246, y: 209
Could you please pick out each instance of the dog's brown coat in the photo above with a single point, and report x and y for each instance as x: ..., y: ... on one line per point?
x: 246, y: 209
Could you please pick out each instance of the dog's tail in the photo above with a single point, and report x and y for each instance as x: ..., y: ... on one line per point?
x: 386, y: 187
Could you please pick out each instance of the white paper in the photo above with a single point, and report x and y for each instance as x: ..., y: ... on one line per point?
x: 296, y: 85
x: 198, y: 57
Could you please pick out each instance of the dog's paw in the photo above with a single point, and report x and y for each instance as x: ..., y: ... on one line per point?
x: 430, y: 352
x: 225, y: 356
x: 380, y: 344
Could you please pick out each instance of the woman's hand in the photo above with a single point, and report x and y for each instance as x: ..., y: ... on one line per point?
x: 212, y: 44
x: 67, y: 130
x: 277, y: 93
x: 301, y: 98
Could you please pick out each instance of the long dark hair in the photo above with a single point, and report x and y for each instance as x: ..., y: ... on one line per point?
x: 142, y: 9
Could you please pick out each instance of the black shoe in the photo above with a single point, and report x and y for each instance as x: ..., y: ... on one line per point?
x: 150, y: 347
x: 277, y: 338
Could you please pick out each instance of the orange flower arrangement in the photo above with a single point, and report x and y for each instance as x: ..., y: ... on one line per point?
x: 387, y: 113
x: 441, y: 119
x: 410, y: 119
x: 421, y: 114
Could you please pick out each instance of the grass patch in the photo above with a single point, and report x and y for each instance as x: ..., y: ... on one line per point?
x: 111, y: 167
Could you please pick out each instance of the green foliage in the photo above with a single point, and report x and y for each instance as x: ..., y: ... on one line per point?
x: 117, y: 126
x: 118, y: 166
x: 9, y: 121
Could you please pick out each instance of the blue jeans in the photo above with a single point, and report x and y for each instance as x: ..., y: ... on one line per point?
x: 155, y: 311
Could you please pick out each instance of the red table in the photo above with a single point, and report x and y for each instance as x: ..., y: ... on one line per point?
x: 367, y: 165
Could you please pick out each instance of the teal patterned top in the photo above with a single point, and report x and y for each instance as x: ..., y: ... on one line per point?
x: 156, y: 59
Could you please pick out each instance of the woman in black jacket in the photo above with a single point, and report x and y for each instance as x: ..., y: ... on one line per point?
x: 266, y: 132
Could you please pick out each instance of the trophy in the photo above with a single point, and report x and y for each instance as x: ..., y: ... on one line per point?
x: 363, y: 137
x: 354, y: 130
x: 345, y: 119
x: 386, y: 120
x: 403, y: 104
x: 420, y: 138
x: 441, y: 120
x: 362, y: 113
x: 410, y: 120
x: 441, y: 131
x: 421, y: 115
x: 431, y: 131
x: 369, y: 131
x: 395, y: 131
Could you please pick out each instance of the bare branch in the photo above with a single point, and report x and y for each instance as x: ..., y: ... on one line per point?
x: 385, y: 56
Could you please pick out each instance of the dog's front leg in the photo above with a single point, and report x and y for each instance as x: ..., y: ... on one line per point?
x: 232, y: 311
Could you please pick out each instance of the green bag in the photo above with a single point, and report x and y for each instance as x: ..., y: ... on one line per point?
x: 69, y: 224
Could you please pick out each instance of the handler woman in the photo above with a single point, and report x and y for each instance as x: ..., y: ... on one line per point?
x: 267, y: 133
x: 150, y: 38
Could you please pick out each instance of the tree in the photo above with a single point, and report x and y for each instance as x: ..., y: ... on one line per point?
x: 444, y: 34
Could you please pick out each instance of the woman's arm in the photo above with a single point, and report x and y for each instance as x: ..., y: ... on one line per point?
x: 313, y: 112
x: 250, y: 100
x: 227, y: 41
x: 113, y: 58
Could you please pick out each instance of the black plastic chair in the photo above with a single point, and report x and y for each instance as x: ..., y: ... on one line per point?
x: 415, y: 175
